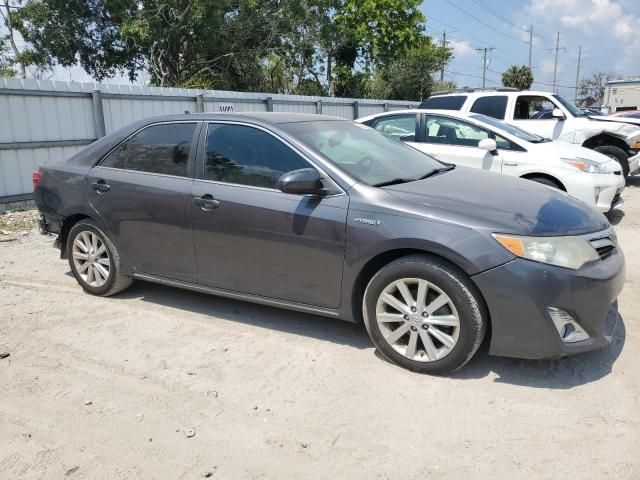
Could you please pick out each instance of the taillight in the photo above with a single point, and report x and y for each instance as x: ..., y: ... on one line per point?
x: 35, y: 178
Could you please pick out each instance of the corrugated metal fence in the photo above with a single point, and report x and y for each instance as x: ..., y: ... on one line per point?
x: 45, y: 121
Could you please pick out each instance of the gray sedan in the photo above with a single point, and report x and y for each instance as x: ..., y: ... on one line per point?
x: 327, y: 216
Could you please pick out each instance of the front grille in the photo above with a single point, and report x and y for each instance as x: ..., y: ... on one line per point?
x: 604, y: 246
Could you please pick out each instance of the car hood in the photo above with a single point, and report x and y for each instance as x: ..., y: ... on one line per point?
x: 505, y: 204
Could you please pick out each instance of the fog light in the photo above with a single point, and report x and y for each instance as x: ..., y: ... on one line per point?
x: 568, y: 328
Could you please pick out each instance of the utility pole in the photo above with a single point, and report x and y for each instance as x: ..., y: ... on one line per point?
x: 575, y: 95
x: 555, y: 65
x: 484, y: 63
x: 444, y: 44
x: 530, y: 42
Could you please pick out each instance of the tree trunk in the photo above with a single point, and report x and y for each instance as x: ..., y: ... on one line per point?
x: 12, y: 42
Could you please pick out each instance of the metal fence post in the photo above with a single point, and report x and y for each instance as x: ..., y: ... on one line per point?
x: 98, y: 113
x: 200, y: 103
x: 356, y: 110
x: 269, y: 104
x: 386, y: 107
x: 319, y: 107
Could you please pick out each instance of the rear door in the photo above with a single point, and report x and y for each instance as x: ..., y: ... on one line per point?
x: 455, y: 141
x: 141, y: 191
x: 254, y: 239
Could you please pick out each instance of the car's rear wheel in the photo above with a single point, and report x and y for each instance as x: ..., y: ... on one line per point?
x: 616, y: 154
x: 424, y: 314
x: 94, y: 260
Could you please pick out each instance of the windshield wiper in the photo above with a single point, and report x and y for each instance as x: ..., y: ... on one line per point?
x: 437, y: 171
x: 395, y: 181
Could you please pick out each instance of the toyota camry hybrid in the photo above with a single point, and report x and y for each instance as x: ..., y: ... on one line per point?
x: 328, y: 216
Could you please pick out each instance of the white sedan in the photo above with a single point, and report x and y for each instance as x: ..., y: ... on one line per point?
x: 479, y: 141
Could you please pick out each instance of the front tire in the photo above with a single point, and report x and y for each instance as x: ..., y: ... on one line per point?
x: 94, y: 260
x: 618, y: 155
x: 424, y: 315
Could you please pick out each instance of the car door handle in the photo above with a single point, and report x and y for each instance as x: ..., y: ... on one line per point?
x: 206, y: 202
x: 100, y: 186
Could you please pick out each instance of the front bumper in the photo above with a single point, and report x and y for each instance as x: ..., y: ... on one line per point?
x: 519, y: 293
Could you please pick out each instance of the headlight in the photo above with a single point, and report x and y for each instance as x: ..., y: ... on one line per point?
x: 567, y: 252
x: 586, y: 165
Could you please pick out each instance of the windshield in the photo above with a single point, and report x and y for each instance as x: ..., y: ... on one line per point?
x: 575, y: 111
x: 367, y: 155
x: 510, y: 129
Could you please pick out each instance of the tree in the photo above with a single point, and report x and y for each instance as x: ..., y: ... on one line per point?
x: 8, y: 60
x: 519, y: 77
x: 591, y: 90
x: 410, y: 76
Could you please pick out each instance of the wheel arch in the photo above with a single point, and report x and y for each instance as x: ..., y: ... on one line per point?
x: 532, y: 175
x: 603, y: 139
x: 377, y: 262
x: 67, y: 225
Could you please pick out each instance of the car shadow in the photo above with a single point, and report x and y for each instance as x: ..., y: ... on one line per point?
x: 557, y: 374
x: 297, y: 323
x: 561, y: 373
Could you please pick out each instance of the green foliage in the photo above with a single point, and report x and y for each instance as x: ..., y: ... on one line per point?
x: 342, y: 47
x: 520, y: 77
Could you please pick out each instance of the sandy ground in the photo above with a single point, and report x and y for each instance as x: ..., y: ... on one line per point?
x: 169, y: 384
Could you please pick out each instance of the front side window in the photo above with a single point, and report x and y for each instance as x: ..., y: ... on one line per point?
x: 493, y: 106
x: 163, y: 149
x: 248, y: 156
x: 400, y: 127
x: 450, y: 131
x: 531, y: 107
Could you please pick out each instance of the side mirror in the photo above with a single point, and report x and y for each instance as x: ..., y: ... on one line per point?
x: 557, y: 114
x: 305, y: 181
x: 489, y: 144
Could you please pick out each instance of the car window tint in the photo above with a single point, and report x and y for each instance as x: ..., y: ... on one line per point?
x: 448, y: 102
x: 400, y: 127
x: 117, y: 158
x: 504, y: 144
x: 493, y: 106
x: 248, y: 156
x: 449, y: 131
x: 530, y: 107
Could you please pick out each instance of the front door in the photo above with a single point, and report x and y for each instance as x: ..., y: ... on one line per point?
x: 254, y: 239
x: 454, y: 141
x: 141, y: 192
x: 534, y: 113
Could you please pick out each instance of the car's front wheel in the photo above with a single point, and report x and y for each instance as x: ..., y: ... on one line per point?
x: 94, y: 260
x: 424, y: 314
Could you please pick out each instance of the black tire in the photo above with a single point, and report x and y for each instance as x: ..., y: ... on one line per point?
x: 450, y: 280
x: 546, y: 181
x: 116, y: 281
x: 618, y: 155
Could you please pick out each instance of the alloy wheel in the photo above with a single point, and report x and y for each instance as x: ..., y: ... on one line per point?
x: 417, y: 319
x: 91, y: 259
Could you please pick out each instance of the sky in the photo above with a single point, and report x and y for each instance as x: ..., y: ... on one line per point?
x: 607, y: 30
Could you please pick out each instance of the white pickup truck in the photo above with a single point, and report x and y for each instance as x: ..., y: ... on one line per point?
x: 529, y: 110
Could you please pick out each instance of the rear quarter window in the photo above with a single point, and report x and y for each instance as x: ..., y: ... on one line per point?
x: 493, y: 106
x: 445, y: 102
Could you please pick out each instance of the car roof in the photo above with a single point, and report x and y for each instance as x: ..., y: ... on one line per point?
x: 492, y: 92
x: 274, y: 118
x: 431, y: 111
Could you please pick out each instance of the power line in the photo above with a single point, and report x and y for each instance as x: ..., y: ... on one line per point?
x: 484, y: 23
x: 482, y: 4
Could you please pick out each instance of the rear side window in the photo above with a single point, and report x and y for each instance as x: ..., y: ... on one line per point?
x: 163, y: 149
x: 493, y: 106
x: 248, y: 156
x: 400, y: 127
x: 447, y: 102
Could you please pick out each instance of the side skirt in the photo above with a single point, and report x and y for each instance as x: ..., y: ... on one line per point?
x: 272, y: 302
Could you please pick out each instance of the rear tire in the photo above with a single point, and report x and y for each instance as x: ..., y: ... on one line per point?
x: 424, y: 314
x: 94, y: 260
x: 618, y: 155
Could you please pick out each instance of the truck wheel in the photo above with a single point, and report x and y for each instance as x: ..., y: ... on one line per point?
x: 617, y: 154
x: 424, y: 315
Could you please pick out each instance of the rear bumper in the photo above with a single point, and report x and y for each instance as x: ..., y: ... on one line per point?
x: 50, y: 223
x: 519, y: 293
